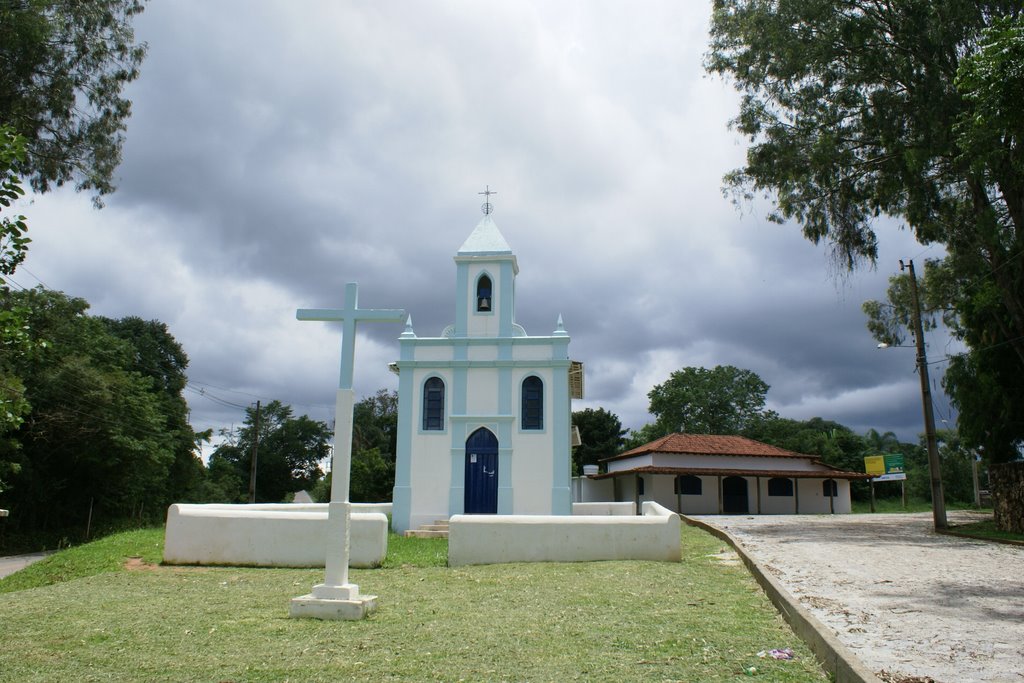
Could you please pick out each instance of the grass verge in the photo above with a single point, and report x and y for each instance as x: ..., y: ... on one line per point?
x: 985, y: 529
x: 891, y: 505
x: 703, y: 619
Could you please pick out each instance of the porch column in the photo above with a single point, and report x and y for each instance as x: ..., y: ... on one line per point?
x: 636, y: 494
x: 721, y: 503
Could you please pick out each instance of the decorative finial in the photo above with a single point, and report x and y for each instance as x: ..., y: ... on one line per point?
x: 560, y: 329
x: 487, y: 207
x: 408, y: 329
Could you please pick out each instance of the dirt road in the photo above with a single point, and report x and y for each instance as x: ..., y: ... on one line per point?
x: 907, y: 601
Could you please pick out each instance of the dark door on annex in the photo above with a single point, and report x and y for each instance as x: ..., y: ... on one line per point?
x: 734, y: 496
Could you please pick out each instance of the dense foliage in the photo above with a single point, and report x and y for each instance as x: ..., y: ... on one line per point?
x: 722, y: 400
x: 289, y: 451
x: 601, y: 436
x: 106, y: 435
x: 63, y: 66
x: 906, y: 108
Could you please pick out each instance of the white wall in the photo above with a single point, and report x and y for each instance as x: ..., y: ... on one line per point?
x: 661, y: 489
x: 239, y: 535
x: 587, y: 490
x: 605, y: 509
x: 493, y: 539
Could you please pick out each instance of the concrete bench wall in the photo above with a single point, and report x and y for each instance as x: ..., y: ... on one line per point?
x: 494, y: 539
x: 271, y: 535
x: 605, y: 508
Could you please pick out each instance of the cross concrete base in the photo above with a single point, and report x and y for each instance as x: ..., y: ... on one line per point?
x: 333, y: 602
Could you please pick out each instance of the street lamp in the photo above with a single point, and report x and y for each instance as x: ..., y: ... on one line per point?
x: 934, y: 473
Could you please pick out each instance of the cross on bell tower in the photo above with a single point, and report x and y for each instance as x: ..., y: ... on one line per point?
x: 487, y: 207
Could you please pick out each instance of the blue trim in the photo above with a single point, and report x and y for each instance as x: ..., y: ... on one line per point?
x: 506, y: 494
x: 561, y: 456
x: 401, y: 496
x: 560, y: 343
x: 506, y: 304
x: 461, y: 300
x: 460, y: 385
x: 457, y: 489
x: 466, y: 364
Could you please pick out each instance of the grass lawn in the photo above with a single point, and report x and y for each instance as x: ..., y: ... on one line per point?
x: 113, y: 619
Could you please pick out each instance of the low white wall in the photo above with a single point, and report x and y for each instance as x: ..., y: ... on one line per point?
x: 382, y: 508
x: 587, y: 490
x: 284, y: 535
x: 494, y: 539
x: 606, y: 508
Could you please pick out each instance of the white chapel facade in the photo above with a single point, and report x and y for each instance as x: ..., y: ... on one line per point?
x: 484, y: 409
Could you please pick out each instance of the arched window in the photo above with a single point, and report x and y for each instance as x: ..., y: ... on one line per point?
x: 533, y: 403
x: 688, y: 485
x: 483, y: 294
x: 433, y: 404
x: 829, y: 488
x: 778, y: 486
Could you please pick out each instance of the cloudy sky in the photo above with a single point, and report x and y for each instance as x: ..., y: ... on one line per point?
x: 278, y: 150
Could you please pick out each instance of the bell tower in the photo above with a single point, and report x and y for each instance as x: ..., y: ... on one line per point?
x: 486, y: 270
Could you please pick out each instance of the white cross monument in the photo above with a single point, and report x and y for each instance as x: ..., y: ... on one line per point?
x: 336, y: 598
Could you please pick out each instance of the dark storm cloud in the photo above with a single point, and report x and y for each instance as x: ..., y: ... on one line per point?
x: 278, y: 151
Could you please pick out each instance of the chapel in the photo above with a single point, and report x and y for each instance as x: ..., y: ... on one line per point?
x: 484, y: 413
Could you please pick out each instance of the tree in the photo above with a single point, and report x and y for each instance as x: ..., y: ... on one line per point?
x: 722, y: 400
x: 97, y: 441
x: 908, y: 108
x: 63, y: 66
x: 288, y: 458
x: 374, y: 441
x: 158, y: 356
x: 601, y: 436
x: 836, y: 444
x: 14, y: 338
x: 375, y: 423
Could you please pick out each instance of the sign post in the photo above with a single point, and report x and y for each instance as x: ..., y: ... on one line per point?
x: 888, y: 467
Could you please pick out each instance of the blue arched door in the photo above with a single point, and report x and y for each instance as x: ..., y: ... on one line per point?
x: 481, y: 473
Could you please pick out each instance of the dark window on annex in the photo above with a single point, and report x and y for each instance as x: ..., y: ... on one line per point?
x: 778, y: 486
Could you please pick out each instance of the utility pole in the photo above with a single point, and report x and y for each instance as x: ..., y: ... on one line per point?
x: 255, y: 452
x: 938, y: 502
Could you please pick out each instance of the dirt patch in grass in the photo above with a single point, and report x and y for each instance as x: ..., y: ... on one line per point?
x: 137, y: 564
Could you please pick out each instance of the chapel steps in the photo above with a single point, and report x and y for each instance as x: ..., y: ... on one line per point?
x: 439, y: 529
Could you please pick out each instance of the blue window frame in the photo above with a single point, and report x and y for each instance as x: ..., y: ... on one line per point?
x: 778, y: 486
x: 688, y: 485
x: 533, y: 403
x: 484, y: 300
x: 433, y: 404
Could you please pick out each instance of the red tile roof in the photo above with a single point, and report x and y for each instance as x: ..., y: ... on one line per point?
x: 707, y: 444
x: 830, y: 473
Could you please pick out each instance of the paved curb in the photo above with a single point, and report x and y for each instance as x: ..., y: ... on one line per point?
x: 835, y: 657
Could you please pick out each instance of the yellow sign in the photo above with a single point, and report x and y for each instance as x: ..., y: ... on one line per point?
x: 874, y: 465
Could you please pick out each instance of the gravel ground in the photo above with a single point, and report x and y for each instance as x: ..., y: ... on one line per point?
x: 911, y: 604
